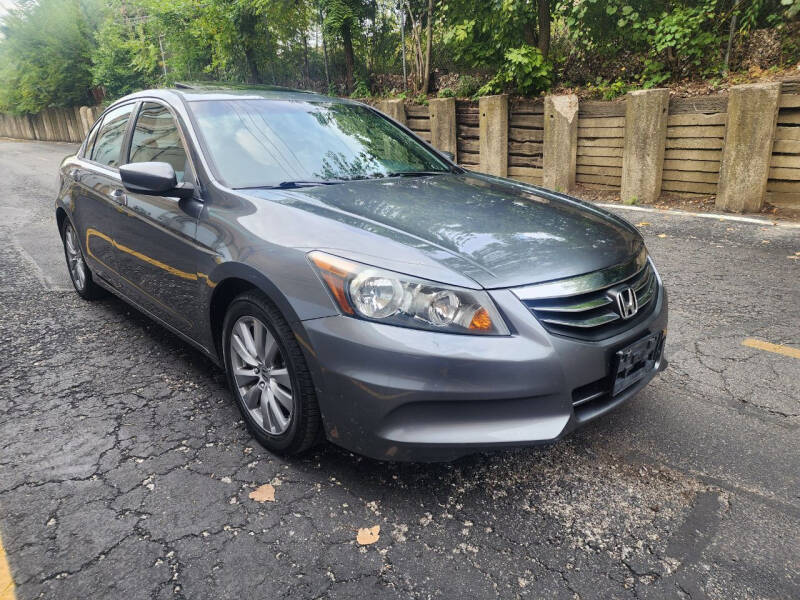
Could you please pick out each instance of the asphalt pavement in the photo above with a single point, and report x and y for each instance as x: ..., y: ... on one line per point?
x: 126, y: 471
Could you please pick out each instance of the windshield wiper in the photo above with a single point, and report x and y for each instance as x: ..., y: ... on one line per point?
x: 415, y: 173
x: 296, y: 184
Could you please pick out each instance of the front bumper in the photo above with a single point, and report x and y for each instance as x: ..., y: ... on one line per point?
x: 401, y: 394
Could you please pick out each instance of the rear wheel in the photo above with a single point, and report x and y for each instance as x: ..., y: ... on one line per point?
x: 79, y: 271
x: 268, y: 375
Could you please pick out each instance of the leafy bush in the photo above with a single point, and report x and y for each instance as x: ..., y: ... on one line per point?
x: 608, y: 90
x: 468, y: 86
x: 361, y: 90
x: 524, y: 69
x: 447, y: 93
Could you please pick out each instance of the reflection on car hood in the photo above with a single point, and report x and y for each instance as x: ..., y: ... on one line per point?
x: 496, y: 232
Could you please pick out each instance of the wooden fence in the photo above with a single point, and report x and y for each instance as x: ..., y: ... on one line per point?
x: 696, y: 142
x: 694, y: 146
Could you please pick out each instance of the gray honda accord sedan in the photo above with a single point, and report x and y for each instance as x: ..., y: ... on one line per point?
x: 355, y: 283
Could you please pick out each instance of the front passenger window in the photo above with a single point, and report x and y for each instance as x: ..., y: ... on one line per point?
x: 156, y: 138
x: 108, y: 146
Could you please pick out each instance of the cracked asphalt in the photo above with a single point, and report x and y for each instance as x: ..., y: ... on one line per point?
x: 125, y: 469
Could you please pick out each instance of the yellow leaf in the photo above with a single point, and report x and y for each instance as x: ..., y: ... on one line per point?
x: 368, y: 535
x: 662, y: 235
x: 264, y: 493
x: 643, y: 224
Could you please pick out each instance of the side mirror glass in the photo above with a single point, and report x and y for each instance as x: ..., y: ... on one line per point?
x: 153, y: 179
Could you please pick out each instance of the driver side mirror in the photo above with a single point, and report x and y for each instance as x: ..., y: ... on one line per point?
x: 154, y: 179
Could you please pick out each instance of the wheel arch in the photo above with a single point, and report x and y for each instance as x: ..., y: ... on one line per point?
x: 231, y: 280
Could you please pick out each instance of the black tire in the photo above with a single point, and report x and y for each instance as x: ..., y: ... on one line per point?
x: 304, y: 422
x: 87, y: 289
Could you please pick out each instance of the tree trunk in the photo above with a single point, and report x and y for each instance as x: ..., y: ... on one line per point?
x: 324, y: 51
x: 426, y: 81
x: 349, y: 59
x: 305, y: 58
x: 544, y: 27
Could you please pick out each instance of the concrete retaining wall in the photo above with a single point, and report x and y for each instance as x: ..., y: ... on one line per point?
x: 51, y: 125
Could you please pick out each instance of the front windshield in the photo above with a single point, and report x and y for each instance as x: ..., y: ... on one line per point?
x: 265, y: 143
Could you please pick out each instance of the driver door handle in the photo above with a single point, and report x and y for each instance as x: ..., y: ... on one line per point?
x: 118, y: 196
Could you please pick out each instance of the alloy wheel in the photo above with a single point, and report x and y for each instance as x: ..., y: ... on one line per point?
x: 262, y: 376
x: 77, y: 266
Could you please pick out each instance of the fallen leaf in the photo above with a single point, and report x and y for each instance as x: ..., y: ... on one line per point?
x: 368, y: 535
x: 264, y: 493
x: 662, y: 235
x: 643, y: 224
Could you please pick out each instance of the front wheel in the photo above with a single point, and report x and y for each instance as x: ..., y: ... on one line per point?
x: 268, y: 375
x: 79, y: 271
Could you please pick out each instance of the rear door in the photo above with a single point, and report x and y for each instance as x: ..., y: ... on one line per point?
x: 156, y: 236
x: 98, y: 196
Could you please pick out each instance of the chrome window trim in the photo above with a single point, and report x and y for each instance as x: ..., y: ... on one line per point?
x: 583, y: 284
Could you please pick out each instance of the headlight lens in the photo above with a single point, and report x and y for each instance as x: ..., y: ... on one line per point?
x: 395, y: 299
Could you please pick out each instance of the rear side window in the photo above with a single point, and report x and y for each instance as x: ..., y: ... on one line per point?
x: 87, y: 152
x: 156, y: 138
x: 108, y: 146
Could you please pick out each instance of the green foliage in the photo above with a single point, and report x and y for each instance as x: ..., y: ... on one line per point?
x: 447, y: 93
x: 608, y: 90
x: 421, y: 99
x: 468, y: 86
x: 45, y: 55
x: 524, y: 70
x: 361, y: 90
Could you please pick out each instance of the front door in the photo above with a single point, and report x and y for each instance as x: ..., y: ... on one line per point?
x: 155, y: 237
x: 98, y: 196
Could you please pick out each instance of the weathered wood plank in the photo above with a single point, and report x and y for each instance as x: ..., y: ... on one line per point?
x: 527, y: 121
x: 597, y: 186
x: 696, y: 119
x: 699, y: 104
x: 600, y: 161
x: 707, y: 143
x: 789, y: 117
x: 525, y: 135
x: 525, y: 148
x: 783, y: 186
x: 527, y: 106
x: 467, y: 145
x: 688, y: 186
x: 601, y: 122
x: 787, y: 133
x: 698, y: 131
x: 791, y: 86
x: 466, y: 106
x: 425, y: 135
x: 792, y: 162
x: 597, y: 151
x: 417, y: 111
x: 608, y: 180
x: 524, y: 172
x: 419, y: 124
x: 786, y: 146
x: 708, y: 166
x: 601, y: 132
x: 524, y: 161
x: 601, y: 142
x: 677, y: 154
x: 589, y: 170
x: 597, y: 108
x: 784, y: 199
x: 696, y: 176
x: 465, y: 131
x: 789, y: 100
x: 470, y: 119
x: 781, y: 173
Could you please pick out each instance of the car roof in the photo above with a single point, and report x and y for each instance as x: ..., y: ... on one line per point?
x: 209, y: 91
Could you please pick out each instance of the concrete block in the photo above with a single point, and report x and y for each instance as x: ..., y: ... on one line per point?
x: 749, y: 133
x: 560, y: 151
x: 493, y: 119
x: 645, y: 139
x: 396, y: 109
x: 443, y: 125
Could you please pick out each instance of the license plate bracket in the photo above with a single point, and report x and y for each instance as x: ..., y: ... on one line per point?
x: 637, y: 360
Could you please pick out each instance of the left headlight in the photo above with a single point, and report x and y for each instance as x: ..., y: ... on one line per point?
x: 387, y: 297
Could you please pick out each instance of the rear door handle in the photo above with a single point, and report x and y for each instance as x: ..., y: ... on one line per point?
x: 118, y: 196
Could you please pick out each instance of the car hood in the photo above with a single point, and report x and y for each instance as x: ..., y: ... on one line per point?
x: 496, y: 232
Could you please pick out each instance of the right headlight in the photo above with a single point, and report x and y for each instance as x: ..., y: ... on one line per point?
x: 387, y: 297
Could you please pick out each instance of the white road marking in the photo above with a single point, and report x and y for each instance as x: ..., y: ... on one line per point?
x: 717, y: 216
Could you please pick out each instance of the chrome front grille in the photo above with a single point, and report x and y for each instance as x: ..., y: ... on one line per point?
x: 585, y: 307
